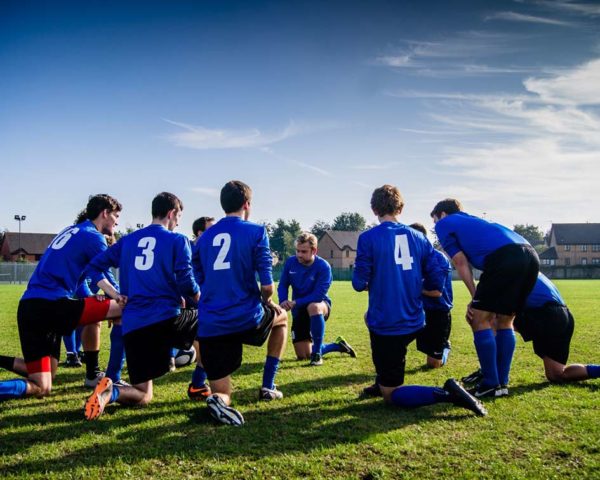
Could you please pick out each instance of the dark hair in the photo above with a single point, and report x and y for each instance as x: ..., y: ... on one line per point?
x: 98, y: 203
x: 419, y: 227
x: 387, y: 200
x: 199, y: 224
x: 234, y: 194
x: 81, y: 217
x: 163, y: 203
x: 448, y: 206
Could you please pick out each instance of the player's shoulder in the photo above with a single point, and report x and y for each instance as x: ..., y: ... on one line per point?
x: 321, y: 263
x: 291, y: 262
x: 88, y: 231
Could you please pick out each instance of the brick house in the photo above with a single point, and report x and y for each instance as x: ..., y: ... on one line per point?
x: 33, y: 246
x: 572, y: 244
x: 339, y: 248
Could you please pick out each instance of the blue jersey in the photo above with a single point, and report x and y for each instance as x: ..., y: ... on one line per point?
x: 229, y: 256
x: 155, y: 272
x: 474, y: 236
x: 392, y: 261
x: 60, y: 270
x: 87, y: 288
x: 445, y: 301
x: 309, y: 283
x: 543, y: 292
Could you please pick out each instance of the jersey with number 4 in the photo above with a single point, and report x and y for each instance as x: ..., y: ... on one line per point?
x: 392, y: 261
x: 229, y: 256
x: 155, y: 271
x: 60, y: 269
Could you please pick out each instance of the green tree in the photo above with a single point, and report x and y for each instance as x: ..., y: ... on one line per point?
x: 319, y: 228
x: 282, y: 236
x: 531, y: 233
x: 349, y: 222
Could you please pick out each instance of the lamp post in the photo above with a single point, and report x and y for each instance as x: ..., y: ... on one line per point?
x: 140, y: 225
x: 20, y: 218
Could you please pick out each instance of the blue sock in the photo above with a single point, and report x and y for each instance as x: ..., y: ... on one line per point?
x: 317, y: 331
x: 445, y: 355
x: 505, y: 348
x: 485, y: 344
x: 115, y: 394
x: 117, y: 354
x: 411, y: 396
x: 331, y: 347
x: 593, y: 371
x: 69, y: 341
x: 174, y: 351
x: 271, y: 367
x: 13, y: 389
x: 199, y: 376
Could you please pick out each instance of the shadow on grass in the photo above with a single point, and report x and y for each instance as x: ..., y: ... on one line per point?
x: 183, y: 430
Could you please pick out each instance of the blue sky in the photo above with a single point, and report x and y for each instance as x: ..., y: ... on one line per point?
x: 313, y: 104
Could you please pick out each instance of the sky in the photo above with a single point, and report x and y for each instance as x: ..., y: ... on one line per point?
x: 313, y: 104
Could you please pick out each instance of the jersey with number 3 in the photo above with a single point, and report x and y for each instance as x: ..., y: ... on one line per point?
x: 392, y: 260
x: 155, y: 271
x: 60, y: 269
x: 229, y: 256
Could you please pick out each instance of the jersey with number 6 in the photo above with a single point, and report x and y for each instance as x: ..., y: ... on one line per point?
x: 155, y: 271
x: 229, y: 256
x: 60, y: 269
x: 392, y: 260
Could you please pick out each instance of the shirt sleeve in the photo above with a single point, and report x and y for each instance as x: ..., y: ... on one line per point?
x: 83, y: 290
x: 263, y: 261
x: 103, y: 261
x: 184, y: 276
x: 434, y: 275
x: 321, y: 287
x: 447, y: 237
x: 363, y: 266
x: 197, y: 264
x: 284, y: 283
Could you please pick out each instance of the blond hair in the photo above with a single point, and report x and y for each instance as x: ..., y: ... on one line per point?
x: 307, y: 237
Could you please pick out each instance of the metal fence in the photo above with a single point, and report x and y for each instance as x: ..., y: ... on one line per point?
x: 16, y: 272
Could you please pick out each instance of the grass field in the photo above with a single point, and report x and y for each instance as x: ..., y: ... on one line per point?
x: 321, y: 429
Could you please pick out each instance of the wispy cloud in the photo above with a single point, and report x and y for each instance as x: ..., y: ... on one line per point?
x: 375, y: 166
x: 585, y: 9
x: 202, y: 138
x: 520, y: 17
x: 209, y: 192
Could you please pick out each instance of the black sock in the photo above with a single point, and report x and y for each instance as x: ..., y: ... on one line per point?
x: 91, y: 364
x: 7, y: 363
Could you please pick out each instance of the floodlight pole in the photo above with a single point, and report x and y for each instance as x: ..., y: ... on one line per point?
x: 20, y: 218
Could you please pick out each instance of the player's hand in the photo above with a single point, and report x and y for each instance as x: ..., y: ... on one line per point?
x: 286, y: 305
x: 196, y: 297
x: 469, y: 314
x: 276, y: 307
x: 100, y: 298
x: 121, y: 300
x: 182, y: 302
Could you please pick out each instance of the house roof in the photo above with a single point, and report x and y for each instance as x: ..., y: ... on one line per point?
x: 31, y: 243
x: 549, y: 254
x: 344, y: 239
x: 576, y: 233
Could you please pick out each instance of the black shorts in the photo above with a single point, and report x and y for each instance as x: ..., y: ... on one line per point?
x: 389, y: 357
x: 148, y: 349
x: 222, y: 355
x: 42, y: 323
x: 550, y: 328
x: 509, y: 275
x: 301, y: 324
x: 435, y: 337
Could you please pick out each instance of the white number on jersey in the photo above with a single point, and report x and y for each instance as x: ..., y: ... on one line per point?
x: 222, y: 240
x: 146, y: 259
x: 402, y: 253
x: 60, y: 241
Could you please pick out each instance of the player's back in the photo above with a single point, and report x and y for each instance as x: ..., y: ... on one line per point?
x: 445, y: 301
x: 392, y: 260
x: 474, y: 236
x: 543, y: 292
x: 155, y: 269
x: 230, y: 254
x: 59, y: 271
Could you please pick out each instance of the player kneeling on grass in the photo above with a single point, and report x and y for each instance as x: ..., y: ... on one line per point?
x: 434, y: 339
x: 547, y: 322
x: 155, y: 272
x: 233, y: 311
x: 310, y: 278
x: 392, y: 261
x: 47, y: 310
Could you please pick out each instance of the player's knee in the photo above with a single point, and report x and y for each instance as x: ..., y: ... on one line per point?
x: 145, y: 400
x: 434, y: 363
x: 555, y: 376
x: 315, y: 309
x: 43, y: 391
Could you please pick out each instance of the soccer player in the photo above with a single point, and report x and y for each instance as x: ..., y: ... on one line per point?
x: 198, y: 389
x: 47, y: 310
x: 310, y: 278
x: 547, y: 322
x: 510, y: 267
x: 233, y: 311
x: 434, y: 339
x: 155, y: 273
x: 392, y: 261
